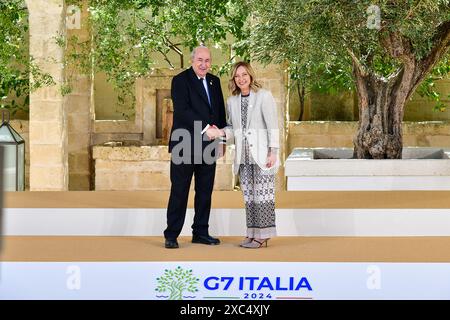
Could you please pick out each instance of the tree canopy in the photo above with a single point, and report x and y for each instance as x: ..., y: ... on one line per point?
x: 320, y: 41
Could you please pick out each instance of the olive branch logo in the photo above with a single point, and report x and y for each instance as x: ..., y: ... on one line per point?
x: 175, y: 282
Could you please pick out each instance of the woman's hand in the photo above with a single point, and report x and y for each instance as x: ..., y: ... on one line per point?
x: 221, y: 149
x: 271, y: 159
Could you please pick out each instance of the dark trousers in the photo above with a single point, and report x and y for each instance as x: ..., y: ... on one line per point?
x: 180, y: 177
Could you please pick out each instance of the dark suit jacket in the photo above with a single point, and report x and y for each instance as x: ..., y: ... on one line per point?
x: 190, y: 104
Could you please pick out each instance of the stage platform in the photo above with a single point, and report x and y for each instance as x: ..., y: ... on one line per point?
x: 280, y: 249
x: 290, y: 268
x: 331, y: 245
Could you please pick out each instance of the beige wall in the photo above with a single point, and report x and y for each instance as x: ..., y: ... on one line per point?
x: 343, y: 106
x: 340, y: 134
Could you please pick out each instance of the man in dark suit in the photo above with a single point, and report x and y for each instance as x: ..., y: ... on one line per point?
x: 198, y: 110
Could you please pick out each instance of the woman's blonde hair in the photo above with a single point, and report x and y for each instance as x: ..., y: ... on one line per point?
x: 254, y: 85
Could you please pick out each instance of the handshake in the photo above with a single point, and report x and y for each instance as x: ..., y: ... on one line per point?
x: 213, y: 132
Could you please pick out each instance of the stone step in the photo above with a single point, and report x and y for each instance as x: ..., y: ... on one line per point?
x: 227, y: 222
x: 374, y: 213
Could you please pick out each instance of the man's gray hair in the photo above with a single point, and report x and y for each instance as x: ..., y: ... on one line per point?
x: 195, y: 50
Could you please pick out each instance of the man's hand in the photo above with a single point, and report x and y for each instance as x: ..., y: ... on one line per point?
x: 221, y: 131
x: 212, y: 132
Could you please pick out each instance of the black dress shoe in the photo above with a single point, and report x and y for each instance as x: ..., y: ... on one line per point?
x: 171, y: 244
x: 205, y: 240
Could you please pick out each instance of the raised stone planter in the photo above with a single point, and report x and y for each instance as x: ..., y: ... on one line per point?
x: 334, y: 169
x: 129, y: 166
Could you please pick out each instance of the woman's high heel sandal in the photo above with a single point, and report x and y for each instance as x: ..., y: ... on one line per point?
x: 246, y: 241
x: 256, y: 243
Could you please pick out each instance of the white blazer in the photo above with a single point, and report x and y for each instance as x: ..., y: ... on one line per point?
x: 262, y: 127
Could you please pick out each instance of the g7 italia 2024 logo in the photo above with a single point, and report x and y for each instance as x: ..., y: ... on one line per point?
x: 179, y: 284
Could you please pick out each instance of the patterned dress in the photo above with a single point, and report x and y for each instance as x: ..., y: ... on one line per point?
x: 258, y: 188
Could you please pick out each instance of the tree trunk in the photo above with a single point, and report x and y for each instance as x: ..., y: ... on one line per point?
x: 381, y: 101
x: 381, y: 104
x: 301, y: 97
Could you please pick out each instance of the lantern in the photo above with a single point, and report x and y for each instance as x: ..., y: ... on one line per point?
x: 13, y: 156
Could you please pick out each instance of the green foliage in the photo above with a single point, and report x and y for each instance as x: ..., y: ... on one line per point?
x: 15, y: 63
x: 428, y: 86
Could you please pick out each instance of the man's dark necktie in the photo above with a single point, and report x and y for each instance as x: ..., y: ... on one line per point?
x: 206, y: 90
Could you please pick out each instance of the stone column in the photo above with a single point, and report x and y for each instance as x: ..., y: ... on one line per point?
x: 274, y: 78
x: 79, y: 106
x: 48, y: 115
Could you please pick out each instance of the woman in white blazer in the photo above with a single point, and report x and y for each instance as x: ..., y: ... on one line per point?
x: 252, y: 124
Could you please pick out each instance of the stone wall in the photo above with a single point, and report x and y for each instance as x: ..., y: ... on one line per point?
x: 340, y: 134
x: 147, y: 168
